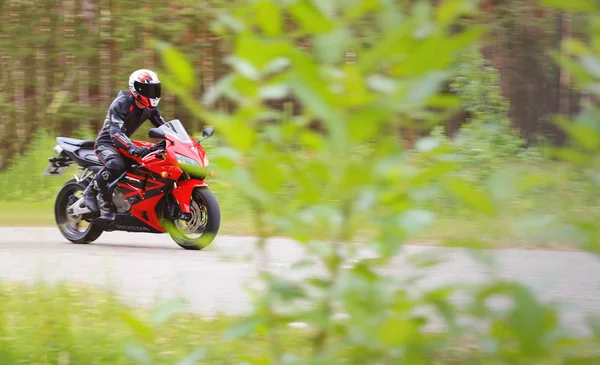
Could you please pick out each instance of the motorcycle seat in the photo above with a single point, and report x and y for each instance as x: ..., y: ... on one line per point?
x: 81, y: 143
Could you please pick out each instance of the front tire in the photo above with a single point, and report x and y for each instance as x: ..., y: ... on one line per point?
x: 69, y: 225
x: 202, y: 229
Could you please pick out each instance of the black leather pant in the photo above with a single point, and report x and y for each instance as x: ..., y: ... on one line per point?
x: 114, y: 166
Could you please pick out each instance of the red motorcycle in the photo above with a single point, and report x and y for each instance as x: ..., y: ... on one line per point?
x: 164, y: 191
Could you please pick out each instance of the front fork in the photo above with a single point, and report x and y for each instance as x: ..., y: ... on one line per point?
x: 174, y: 211
x: 182, y: 195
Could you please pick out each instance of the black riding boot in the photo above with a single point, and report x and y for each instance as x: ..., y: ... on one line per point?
x: 103, y: 178
x: 89, y: 196
x: 96, y: 193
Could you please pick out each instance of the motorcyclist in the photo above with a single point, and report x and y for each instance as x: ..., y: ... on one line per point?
x: 126, y: 114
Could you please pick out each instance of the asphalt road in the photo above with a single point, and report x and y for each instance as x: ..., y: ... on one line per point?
x: 147, y: 267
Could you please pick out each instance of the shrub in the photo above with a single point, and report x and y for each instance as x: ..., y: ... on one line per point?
x: 487, y: 142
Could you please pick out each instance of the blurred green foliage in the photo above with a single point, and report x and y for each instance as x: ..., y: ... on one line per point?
x: 396, y: 80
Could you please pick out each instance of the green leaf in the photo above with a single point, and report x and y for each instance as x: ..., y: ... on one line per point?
x: 395, y: 42
x: 569, y: 154
x: 365, y: 123
x: 363, y: 270
x: 259, y: 51
x: 138, y: 354
x: 165, y: 311
x: 193, y: 357
x: 277, y: 65
x: 310, y: 17
x: 471, y: 196
x: 313, y: 95
x: 361, y: 7
x: 269, y: 17
x: 268, y: 172
x: 243, y: 328
x: 382, y: 84
x: 248, y: 188
x: 415, y: 220
x: 331, y: 47
x: 587, y: 137
x: 274, y: 92
x: 438, y: 52
x: 243, y: 67
x: 591, y: 64
x: 226, y: 158
x: 319, y: 283
x: 227, y: 20
x: 440, y: 300
x: 181, y: 68
x: 219, y: 89
x: 575, y: 47
x: 326, y: 7
x: 433, y: 172
x: 571, y: 5
x: 241, y: 135
x: 286, y: 289
x: 419, y: 91
x: 390, y: 16
x: 140, y: 328
x: 396, y: 331
x: 450, y: 10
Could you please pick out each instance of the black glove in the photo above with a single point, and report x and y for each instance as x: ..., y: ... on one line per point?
x: 139, y: 151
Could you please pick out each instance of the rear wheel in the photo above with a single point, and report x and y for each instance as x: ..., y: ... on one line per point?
x: 75, y: 228
x: 202, y: 228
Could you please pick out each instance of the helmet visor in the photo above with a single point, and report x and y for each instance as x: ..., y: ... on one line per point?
x: 148, y: 90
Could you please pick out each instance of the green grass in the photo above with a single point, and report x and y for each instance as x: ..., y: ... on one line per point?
x: 27, y: 214
x: 71, y: 324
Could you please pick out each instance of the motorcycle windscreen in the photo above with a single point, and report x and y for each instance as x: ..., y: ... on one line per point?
x: 176, y: 129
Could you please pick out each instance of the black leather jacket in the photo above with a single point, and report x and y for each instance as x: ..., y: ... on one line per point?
x: 123, y: 119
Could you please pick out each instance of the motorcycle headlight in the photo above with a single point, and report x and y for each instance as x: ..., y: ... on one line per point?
x: 186, y: 160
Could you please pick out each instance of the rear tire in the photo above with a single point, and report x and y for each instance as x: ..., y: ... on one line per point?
x: 202, y: 229
x: 68, y: 224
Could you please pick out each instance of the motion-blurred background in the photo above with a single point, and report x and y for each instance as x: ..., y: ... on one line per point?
x: 64, y: 61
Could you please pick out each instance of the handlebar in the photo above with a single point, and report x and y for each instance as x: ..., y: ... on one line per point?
x: 157, y: 146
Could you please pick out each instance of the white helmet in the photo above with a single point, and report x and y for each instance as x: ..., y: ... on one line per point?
x: 144, y: 85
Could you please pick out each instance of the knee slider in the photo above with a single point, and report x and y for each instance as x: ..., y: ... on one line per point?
x: 116, y: 166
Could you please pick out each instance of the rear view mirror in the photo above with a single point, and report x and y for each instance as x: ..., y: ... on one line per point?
x: 156, y: 133
x: 207, y: 132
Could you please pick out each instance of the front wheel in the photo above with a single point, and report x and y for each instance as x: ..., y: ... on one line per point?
x: 198, y: 232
